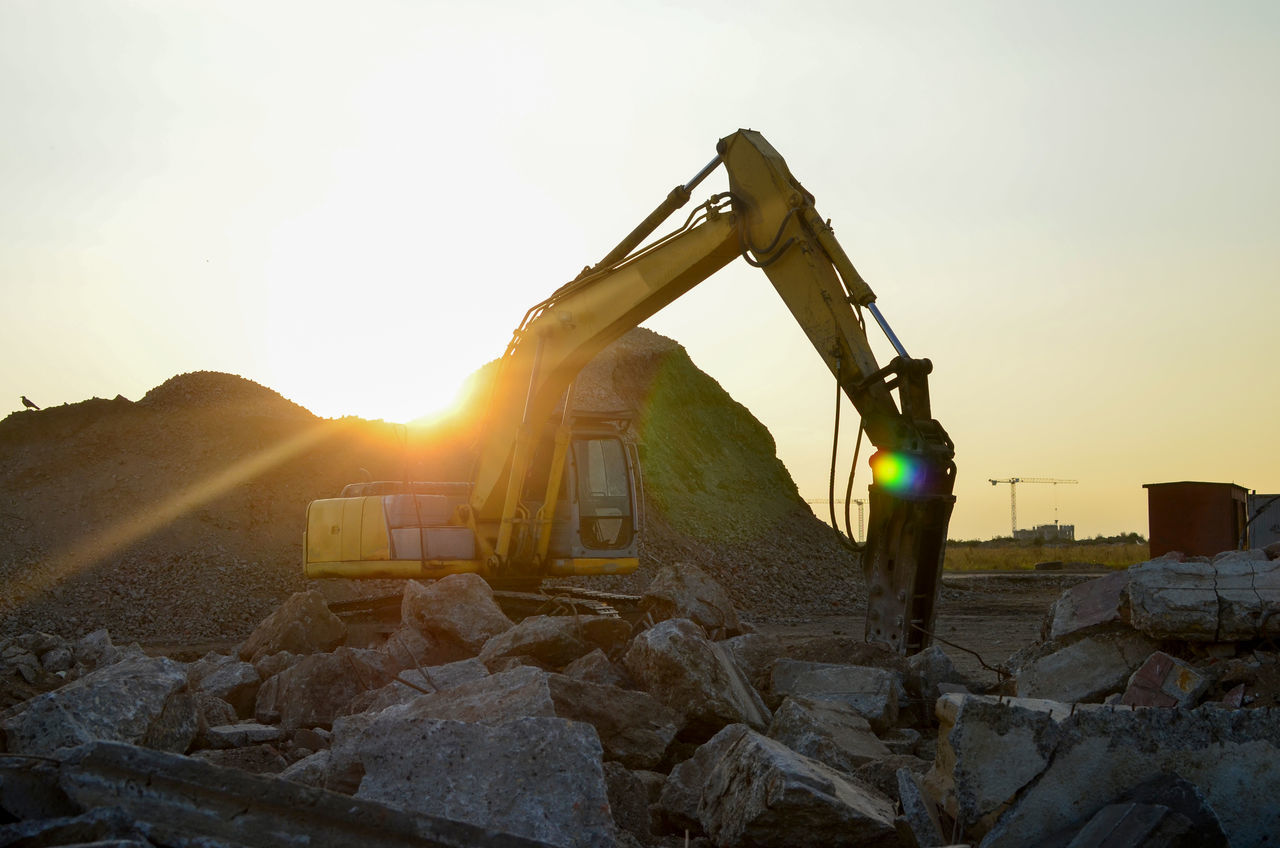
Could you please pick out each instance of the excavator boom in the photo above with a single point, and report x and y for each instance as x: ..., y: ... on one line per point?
x: 529, y: 443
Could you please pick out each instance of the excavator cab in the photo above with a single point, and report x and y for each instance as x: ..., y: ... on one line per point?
x: 428, y: 529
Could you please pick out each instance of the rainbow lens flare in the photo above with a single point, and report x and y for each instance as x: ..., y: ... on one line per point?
x: 896, y: 472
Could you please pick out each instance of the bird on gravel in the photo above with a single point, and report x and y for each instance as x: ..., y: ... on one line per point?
x: 28, y: 404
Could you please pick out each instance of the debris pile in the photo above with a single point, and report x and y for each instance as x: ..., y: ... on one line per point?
x: 178, y: 518
x: 575, y: 730
x: 463, y: 727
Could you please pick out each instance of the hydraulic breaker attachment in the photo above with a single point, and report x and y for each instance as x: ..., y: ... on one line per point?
x: 902, y: 561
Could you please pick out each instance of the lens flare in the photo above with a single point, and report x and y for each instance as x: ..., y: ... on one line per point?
x: 895, y: 472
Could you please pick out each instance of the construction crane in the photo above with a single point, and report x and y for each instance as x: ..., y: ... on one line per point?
x: 1013, y: 497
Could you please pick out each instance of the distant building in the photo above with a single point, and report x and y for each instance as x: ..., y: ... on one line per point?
x: 1047, y: 533
x: 1264, y: 520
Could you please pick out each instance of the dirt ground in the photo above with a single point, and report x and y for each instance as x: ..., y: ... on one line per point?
x: 993, y: 614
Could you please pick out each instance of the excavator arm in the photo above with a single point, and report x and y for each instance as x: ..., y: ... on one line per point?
x: 769, y: 219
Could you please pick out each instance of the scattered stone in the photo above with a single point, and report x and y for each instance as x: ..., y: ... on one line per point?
x: 882, y: 775
x: 628, y: 801
x: 410, y: 648
x: 95, y: 650
x: 1165, y: 681
x: 634, y: 728
x: 677, y: 805
x: 458, y: 611
x: 596, y: 667
x: 242, y: 735
x: 314, y: 691
x: 409, y: 685
x: 926, y: 671
x: 676, y: 663
x: 1086, y: 670
x: 140, y: 699
x: 871, y: 692
x: 556, y: 640
x: 270, y: 665
x: 183, y: 801
x: 254, y: 759
x: 309, y: 771
x: 680, y: 590
x: 755, y: 654
x: 902, y: 740
x: 228, y: 678
x: 302, y: 625
x: 831, y: 732
x: 541, y: 778
x: 919, y: 813
x: 109, y: 826
x: 760, y: 791
x: 494, y: 699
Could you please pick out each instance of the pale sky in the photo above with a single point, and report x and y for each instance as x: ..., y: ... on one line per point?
x: 1071, y: 208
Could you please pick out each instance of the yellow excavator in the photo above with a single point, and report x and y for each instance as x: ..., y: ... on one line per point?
x: 555, y: 492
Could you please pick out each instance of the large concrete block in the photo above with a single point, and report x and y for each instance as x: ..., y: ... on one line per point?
x: 1086, y: 670
x: 1101, y: 754
x: 679, y: 590
x: 140, y: 700
x: 302, y: 625
x: 458, y: 610
x: 760, y: 792
x: 828, y: 731
x: 678, y: 665
x: 871, y: 692
x: 1090, y: 605
x: 541, y: 778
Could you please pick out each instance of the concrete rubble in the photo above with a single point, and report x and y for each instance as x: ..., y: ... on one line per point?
x: 1142, y: 715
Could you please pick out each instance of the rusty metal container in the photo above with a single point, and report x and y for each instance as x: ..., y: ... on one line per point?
x: 1198, y: 519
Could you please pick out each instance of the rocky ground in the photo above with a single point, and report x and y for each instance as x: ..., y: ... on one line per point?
x: 1142, y: 717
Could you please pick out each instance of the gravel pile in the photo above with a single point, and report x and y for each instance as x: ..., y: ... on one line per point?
x: 178, y: 518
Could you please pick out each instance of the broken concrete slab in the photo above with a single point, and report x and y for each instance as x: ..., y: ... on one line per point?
x: 541, y: 778
x: 1086, y: 670
x: 871, y: 692
x: 680, y: 590
x: 457, y: 610
x: 830, y: 732
x: 677, y: 804
x: 1227, y: 600
x: 989, y: 749
x: 254, y: 759
x: 242, y: 734
x: 177, y: 800
x: 1090, y: 606
x: 556, y: 640
x: 303, y: 624
x: 596, y: 667
x: 140, y: 699
x: 634, y: 728
x: 93, y: 827
x: 1099, y: 754
x: 494, y: 699
x: 760, y: 790
x: 919, y: 813
x: 1165, y: 681
x: 678, y: 665
x: 628, y: 801
x: 315, y: 690
x: 227, y: 677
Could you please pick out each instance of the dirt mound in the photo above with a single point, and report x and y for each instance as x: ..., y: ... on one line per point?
x: 179, y: 517
x: 716, y: 494
x: 197, y: 389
